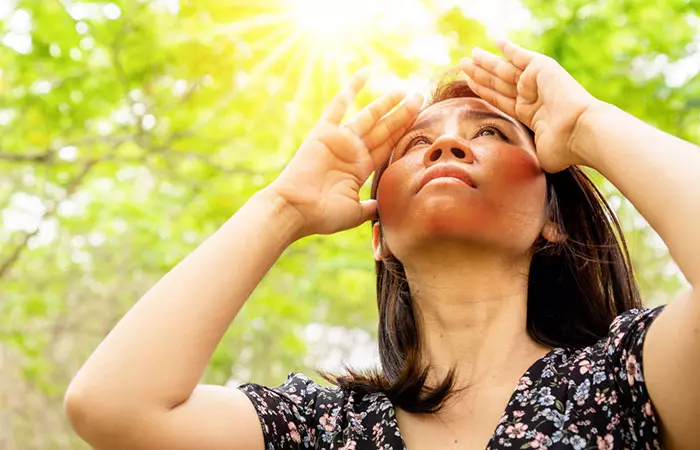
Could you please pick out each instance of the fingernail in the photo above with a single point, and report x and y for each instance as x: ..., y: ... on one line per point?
x: 478, y: 50
x: 466, y: 61
x: 416, y: 97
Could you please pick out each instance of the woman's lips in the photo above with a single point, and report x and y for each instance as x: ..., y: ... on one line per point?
x: 447, y: 171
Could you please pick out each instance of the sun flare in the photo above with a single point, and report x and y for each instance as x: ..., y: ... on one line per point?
x: 334, y: 20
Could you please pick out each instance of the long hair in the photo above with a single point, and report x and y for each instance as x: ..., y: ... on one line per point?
x: 575, y: 289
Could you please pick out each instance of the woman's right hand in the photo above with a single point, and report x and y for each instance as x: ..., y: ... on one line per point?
x: 322, y: 181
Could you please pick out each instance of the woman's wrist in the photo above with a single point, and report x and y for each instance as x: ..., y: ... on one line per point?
x: 587, y: 137
x: 282, y: 220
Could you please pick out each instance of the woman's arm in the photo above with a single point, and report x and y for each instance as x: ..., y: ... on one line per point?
x: 137, y: 385
x: 658, y: 173
x: 139, y: 390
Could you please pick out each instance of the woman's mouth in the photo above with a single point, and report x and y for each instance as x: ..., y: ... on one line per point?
x: 447, y: 173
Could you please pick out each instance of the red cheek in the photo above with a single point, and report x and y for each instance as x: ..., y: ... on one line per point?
x: 520, y: 165
x: 390, y: 196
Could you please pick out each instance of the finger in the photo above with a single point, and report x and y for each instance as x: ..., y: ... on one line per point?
x: 338, y: 106
x: 382, y: 153
x: 369, y: 210
x: 517, y: 55
x: 497, y: 65
x: 365, y: 120
x: 400, y: 119
x: 500, y: 101
x: 527, y: 87
x: 487, y: 78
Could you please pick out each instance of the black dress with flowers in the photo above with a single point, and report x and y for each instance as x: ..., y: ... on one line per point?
x: 589, y: 398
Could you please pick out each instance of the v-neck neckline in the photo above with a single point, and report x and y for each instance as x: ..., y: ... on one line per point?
x: 513, y: 394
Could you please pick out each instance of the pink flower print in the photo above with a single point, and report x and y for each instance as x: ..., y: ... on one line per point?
x: 350, y: 445
x: 524, y: 383
x: 573, y: 428
x: 615, y: 421
x: 293, y: 433
x: 618, y: 339
x: 540, y: 441
x: 613, y: 397
x: 600, y: 398
x: 647, y: 409
x: 295, y: 398
x: 516, y: 431
x: 632, y: 369
x: 585, y: 366
x: 518, y: 413
x: 327, y: 422
x: 378, y: 432
x: 605, y: 443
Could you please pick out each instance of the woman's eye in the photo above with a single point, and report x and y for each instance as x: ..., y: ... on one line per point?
x: 420, y: 140
x: 490, y: 131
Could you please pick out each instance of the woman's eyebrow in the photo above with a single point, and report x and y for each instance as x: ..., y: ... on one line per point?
x: 477, y: 114
x: 464, y: 114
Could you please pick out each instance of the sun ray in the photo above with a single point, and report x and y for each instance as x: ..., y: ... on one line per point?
x: 304, y: 82
x: 272, y: 58
x: 367, y: 53
x: 257, y: 3
x: 285, y: 75
x: 343, y: 76
x: 258, y: 21
x: 254, y: 74
x: 280, y: 33
x: 325, y: 75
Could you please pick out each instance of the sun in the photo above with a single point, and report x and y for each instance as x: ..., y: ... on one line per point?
x: 332, y: 22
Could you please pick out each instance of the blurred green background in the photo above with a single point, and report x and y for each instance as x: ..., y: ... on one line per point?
x: 131, y: 129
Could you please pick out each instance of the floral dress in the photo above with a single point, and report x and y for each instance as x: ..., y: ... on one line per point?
x: 587, y: 398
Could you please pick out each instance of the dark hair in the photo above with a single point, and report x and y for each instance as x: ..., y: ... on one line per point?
x: 575, y: 288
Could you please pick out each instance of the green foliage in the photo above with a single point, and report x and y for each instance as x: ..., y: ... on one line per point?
x: 126, y: 139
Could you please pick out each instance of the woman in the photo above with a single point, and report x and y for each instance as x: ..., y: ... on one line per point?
x: 508, y: 312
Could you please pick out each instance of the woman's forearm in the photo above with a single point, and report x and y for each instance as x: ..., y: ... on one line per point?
x: 155, y: 356
x: 657, y: 172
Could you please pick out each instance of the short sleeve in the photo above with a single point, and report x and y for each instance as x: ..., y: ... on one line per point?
x: 624, y: 355
x: 287, y: 413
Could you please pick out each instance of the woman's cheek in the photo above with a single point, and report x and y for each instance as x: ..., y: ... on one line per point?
x: 392, y: 196
x: 517, y: 167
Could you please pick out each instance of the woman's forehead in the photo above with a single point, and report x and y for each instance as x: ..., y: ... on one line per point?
x: 446, y: 108
x: 460, y: 110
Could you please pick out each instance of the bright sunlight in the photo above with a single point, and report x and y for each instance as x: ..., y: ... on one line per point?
x: 333, y: 21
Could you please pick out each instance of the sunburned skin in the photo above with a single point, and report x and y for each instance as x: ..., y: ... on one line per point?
x: 507, y: 207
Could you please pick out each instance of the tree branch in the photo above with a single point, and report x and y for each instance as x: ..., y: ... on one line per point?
x: 72, y: 185
x: 36, y: 157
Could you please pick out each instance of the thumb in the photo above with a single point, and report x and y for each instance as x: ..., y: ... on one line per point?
x: 369, y: 210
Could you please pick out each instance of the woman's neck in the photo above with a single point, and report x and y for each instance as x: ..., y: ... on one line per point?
x: 472, y: 307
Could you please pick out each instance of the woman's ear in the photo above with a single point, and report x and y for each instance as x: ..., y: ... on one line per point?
x: 553, y: 233
x: 376, y: 242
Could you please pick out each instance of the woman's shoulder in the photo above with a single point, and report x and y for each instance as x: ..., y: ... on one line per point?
x: 301, y: 411
x: 591, y: 394
x: 620, y: 348
x: 303, y: 391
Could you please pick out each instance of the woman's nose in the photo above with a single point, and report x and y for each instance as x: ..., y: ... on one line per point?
x: 448, y: 148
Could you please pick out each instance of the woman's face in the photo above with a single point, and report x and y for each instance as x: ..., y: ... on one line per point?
x: 464, y: 172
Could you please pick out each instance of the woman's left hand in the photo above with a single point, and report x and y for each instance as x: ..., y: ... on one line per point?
x: 537, y: 91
